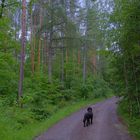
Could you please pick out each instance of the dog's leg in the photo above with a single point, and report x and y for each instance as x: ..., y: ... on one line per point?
x: 88, y: 122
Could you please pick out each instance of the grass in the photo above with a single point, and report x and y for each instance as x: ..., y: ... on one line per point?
x: 133, y: 124
x: 29, y: 131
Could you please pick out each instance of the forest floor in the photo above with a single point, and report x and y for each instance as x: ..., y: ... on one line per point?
x: 106, y: 125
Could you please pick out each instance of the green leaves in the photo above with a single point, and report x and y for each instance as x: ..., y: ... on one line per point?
x: 8, y: 77
x: 125, y: 36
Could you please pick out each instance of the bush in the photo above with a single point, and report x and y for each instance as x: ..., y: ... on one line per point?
x: 8, y: 76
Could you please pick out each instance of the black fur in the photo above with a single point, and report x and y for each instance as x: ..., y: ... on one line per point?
x: 88, y: 117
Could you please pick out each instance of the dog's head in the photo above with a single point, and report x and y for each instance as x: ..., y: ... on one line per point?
x: 89, y: 109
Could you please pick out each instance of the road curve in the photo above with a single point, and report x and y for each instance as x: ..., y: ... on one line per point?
x: 106, y: 125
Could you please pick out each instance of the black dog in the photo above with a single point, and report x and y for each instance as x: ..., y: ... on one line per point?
x: 88, y: 117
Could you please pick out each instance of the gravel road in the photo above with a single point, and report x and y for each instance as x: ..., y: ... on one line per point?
x: 106, y: 125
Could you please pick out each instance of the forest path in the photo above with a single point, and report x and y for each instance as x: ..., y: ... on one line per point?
x: 106, y: 125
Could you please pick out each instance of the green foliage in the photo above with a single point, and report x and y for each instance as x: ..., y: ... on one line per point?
x: 16, y: 122
x: 8, y: 64
x: 8, y: 80
x: 133, y: 123
x: 124, y: 53
x: 41, y: 98
x: 84, y: 92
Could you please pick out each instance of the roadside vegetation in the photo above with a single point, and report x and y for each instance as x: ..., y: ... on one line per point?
x: 39, y: 112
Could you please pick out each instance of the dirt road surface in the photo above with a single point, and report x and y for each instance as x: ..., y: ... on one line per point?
x: 106, y: 125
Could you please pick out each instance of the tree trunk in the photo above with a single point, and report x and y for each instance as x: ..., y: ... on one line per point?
x: 45, y: 54
x: 66, y: 55
x: 38, y: 61
x: 50, y: 44
x: 39, y: 47
x: 125, y: 77
x: 20, y: 91
x: 94, y: 62
x: 84, y: 64
x: 79, y: 57
x: 50, y: 63
x: 50, y: 59
x: 32, y: 46
x: 126, y: 89
x: 62, y: 65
